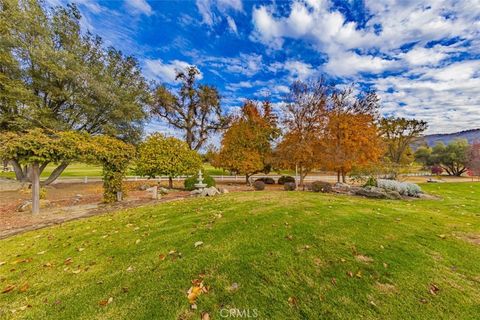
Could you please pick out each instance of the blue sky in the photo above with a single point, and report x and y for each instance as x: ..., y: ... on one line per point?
x: 422, y: 57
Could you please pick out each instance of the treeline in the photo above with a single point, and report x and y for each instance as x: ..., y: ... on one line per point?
x: 65, y: 96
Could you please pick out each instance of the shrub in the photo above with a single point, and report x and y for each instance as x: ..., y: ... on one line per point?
x: 404, y: 188
x: 259, y: 185
x: 266, y: 180
x: 190, y: 182
x: 285, y: 179
x: 371, y: 182
x: 437, y: 170
x: 321, y: 186
x: 289, y: 186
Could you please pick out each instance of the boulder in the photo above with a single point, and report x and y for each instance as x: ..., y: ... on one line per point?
x: 205, y: 192
x: 27, y: 205
x: 163, y: 190
x: 377, y: 193
x: 223, y: 190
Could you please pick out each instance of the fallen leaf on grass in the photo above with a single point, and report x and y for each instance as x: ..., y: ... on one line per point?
x: 130, y: 269
x: 434, y: 289
x: 162, y: 256
x: 77, y: 271
x: 292, y: 301
x: 41, y: 252
x: 334, y: 281
x: 363, y: 258
x: 68, y: 261
x: 80, y: 249
x: 2, y: 263
x: 442, y: 236
x: 24, y: 287
x: 8, y: 288
x: 198, y: 243
x: 137, y: 241
x: 350, y: 274
x: 103, y: 303
x: 233, y: 287
x: 289, y: 237
x: 205, y: 316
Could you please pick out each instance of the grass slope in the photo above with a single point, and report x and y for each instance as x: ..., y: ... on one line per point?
x: 395, y: 251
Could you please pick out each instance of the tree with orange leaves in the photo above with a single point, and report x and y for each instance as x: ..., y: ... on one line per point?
x: 246, y: 145
x: 351, y: 137
x: 305, y: 117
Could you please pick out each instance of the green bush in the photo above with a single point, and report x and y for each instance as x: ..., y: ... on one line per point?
x: 371, y: 182
x: 289, y: 186
x: 266, y: 180
x: 321, y: 186
x: 259, y: 185
x: 285, y: 179
x: 190, y: 182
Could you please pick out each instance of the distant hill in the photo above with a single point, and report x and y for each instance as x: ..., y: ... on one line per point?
x: 470, y: 135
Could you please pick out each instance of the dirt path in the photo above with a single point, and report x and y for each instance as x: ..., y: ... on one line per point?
x: 25, y: 221
x: 71, y: 201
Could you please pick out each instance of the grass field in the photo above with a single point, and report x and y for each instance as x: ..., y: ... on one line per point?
x: 80, y: 170
x: 277, y: 255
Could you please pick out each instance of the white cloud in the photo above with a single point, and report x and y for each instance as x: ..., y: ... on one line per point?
x: 446, y: 97
x: 165, y: 72
x: 324, y: 27
x: 350, y: 63
x: 421, y: 56
x: 244, y: 64
x: 139, y: 6
x: 232, y: 24
x: 213, y: 11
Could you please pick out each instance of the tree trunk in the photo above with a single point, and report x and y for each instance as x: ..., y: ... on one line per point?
x: 56, y: 173
x: 19, y: 175
x: 35, y: 176
x: 170, y: 182
x: 247, y: 181
x: 344, y: 180
x: 338, y: 176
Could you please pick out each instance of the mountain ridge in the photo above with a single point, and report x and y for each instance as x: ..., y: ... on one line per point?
x: 471, y: 135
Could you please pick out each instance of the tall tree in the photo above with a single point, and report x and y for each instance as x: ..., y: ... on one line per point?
x: 399, y: 134
x: 247, y: 145
x: 195, y: 109
x: 453, y: 157
x: 305, y: 117
x: 54, y: 77
x: 351, y: 136
x: 160, y: 155
x: 474, y: 158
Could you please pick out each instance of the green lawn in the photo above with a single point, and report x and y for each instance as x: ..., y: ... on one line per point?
x: 294, y: 255
x: 80, y: 170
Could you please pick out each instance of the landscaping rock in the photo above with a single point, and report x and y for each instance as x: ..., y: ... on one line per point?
x: 435, y: 181
x: 377, y: 193
x: 27, y: 205
x: 163, y: 190
x: 223, y: 190
x: 143, y: 187
x: 206, y: 192
x: 341, y: 187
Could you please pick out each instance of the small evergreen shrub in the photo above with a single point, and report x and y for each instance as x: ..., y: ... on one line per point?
x: 321, y: 186
x: 285, y: 179
x: 266, y: 180
x: 371, y: 182
x: 190, y: 182
x: 289, y: 186
x: 259, y: 185
x: 404, y: 188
